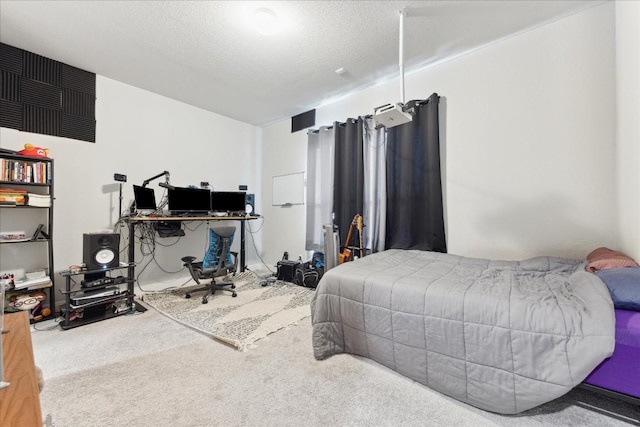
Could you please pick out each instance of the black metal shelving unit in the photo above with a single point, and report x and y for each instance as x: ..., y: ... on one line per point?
x: 100, y: 308
x: 28, y: 180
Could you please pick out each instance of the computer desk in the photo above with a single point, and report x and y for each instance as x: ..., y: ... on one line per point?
x: 132, y: 221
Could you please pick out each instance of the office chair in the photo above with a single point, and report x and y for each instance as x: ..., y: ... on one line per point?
x: 218, y: 261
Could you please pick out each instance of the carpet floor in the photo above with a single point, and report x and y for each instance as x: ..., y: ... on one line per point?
x: 145, y: 369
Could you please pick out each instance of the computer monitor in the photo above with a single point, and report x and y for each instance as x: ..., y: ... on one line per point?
x: 145, y: 198
x: 189, y: 200
x: 228, y: 201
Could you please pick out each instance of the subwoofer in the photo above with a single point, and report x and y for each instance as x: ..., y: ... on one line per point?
x: 101, y: 250
x: 250, y: 204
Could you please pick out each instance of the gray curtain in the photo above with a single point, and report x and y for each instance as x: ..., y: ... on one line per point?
x: 375, y: 185
x: 390, y: 176
x: 415, y: 216
x: 319, y: 198
x: 348, y: 177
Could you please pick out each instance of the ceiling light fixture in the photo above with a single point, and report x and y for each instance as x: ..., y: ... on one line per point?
x: 265, y: 21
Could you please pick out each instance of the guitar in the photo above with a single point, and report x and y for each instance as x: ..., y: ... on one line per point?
x: 345, y: 255
x: 360, y: 225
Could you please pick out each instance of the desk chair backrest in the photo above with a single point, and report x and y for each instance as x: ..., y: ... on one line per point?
x: 218, y: 255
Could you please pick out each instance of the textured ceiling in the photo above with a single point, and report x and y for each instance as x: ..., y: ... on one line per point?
x: 206, y: 54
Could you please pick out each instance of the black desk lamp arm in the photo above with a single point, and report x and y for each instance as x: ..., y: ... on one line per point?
x: 147, y: 181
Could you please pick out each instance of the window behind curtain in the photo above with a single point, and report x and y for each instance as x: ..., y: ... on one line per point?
x: 320, y: 161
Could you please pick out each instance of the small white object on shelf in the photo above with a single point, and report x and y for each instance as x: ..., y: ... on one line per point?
x: 13, y: 236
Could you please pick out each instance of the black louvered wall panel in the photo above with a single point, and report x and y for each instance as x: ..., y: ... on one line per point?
x: 78, y: 80
x: 41, y: 120
x: 78, y: 128
x: 78, y: 103
x: 44, y: 96
x: 40, y: 94
x: 36, y: 67
x: 10, y: 114
x: 10, y: 58
x: 9, y: 86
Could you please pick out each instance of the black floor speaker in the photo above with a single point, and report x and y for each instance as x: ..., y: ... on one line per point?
x: 101, y: 251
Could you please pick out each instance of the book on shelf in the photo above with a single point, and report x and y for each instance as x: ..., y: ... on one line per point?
x: 25, y: 171
x: 31, y: 280
x: 13, y: 195
x: 31, y: 284
x: 39, y: 200
x: 18, y: 280
x: 13, y: 236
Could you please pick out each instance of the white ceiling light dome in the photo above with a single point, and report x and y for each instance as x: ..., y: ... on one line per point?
x: 265, y: 21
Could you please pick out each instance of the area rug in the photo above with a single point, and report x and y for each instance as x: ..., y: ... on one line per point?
x: 256, y: 312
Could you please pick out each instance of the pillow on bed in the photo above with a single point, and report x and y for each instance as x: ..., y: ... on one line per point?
x: 605, y: 258
x: 624, y: 286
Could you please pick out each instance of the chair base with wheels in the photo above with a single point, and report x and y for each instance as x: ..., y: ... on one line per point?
x: 198, y: 273
x: 219, y: 261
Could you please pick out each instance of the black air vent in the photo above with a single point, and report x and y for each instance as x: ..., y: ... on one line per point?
x: 303, y: 121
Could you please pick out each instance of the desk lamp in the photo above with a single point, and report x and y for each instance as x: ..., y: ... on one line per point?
x: 166, y: 175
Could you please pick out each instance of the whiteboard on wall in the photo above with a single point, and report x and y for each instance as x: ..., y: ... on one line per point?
x: 288, y: 189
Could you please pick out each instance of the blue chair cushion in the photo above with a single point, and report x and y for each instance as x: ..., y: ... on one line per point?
x: 215, y: 250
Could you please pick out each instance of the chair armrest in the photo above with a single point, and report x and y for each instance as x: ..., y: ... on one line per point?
x: 188, y: 259
x: 195, y: 268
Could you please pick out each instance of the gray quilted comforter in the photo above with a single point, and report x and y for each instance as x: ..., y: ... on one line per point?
x: 504, y: 336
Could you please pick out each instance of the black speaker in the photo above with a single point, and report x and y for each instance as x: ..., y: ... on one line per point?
x: 101, y: 250
x: 250, y: 204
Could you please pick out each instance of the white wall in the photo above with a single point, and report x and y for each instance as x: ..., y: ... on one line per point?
x: 141, y: 134
x: 628, y: 125
x: 284, y: 226
x: 529, y: 148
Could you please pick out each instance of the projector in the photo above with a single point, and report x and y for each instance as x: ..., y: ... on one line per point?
x: 391, y: 115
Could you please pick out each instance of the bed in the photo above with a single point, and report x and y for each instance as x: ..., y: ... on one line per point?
x: 619, y: 375
x: 504, y: 336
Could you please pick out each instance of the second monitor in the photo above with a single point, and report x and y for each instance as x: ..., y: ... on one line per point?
x: 228, y: 201
x: 189, y: 201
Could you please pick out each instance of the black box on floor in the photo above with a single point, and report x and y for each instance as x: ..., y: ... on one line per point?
x: 287, y: 270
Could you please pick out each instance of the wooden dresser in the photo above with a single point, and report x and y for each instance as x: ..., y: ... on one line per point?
x: 20, y: 401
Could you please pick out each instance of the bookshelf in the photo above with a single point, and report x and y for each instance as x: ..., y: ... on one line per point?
x: 26, y: 234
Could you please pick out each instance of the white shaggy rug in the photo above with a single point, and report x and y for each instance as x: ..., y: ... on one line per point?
x: 256, y: 312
